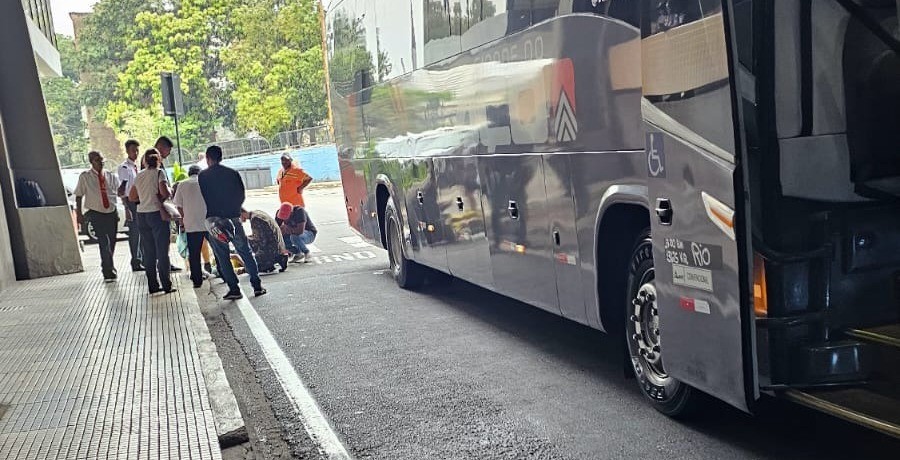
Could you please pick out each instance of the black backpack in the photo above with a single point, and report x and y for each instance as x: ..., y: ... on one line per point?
x: 30, y: 193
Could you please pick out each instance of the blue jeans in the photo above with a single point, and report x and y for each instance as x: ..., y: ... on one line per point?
x: 242, y: 247
x: 299, y: 242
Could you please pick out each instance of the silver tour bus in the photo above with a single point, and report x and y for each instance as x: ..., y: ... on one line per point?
x: 717, y: 182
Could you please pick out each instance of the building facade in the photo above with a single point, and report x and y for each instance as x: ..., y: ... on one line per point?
x: 34, y: 241
x: 43, y: 38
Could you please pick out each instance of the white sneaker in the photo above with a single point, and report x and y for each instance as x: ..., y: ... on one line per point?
x: 298, y: 258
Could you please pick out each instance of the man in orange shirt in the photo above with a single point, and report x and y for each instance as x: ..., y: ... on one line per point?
x: 292, y: 180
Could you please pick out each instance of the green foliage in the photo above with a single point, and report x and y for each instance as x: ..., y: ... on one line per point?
x: 67, y: 57
x: 64, y: 112
x: 103, y: 52
x: 188, y: 41
x: 248, y: 65
x: 178, y: 173
x: 275, y: 64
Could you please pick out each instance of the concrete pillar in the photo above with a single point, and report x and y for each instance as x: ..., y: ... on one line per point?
x: 7, y: 267
x: 42, y: 239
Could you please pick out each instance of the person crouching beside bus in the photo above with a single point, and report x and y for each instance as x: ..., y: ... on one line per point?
x: 298, y: 230
x: 266, y: 241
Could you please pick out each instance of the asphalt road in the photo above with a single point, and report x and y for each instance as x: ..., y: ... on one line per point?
x: 458, y: 372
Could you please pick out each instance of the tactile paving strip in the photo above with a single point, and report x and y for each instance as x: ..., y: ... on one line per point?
x: 95, y: 370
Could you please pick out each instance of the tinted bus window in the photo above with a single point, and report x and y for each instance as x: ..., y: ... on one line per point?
x: 439, y: 44
x: 394, y: 38
x: 349, y: 64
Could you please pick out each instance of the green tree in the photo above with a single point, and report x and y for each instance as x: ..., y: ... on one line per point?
x: 275, y: 64
x: 64, y: 112
x: 63, y: 101
x: 68, y: 57
x: 187, y: 40
x: 102, y: 48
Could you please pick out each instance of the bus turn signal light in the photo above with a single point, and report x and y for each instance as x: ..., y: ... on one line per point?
x: 760, y: 297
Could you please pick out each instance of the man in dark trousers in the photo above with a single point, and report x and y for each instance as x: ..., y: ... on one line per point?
x: 164, y: 145
x: 223, y: 191
x: 95, y: 203
x: 127, y: 173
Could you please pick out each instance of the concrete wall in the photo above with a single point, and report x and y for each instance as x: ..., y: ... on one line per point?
x: 41, y: 239
x: 7, y: 263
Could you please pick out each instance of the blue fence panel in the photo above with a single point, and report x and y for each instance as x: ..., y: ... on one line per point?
x: 320, y: 162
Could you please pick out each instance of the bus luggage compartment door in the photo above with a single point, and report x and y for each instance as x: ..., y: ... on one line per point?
x: 564, y: 236
x: 518, y: 228
x: 425, y: 217
x: 459, y: 196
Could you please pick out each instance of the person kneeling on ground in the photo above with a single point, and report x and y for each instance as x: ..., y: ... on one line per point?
x: 298, y: 230
x: 265, y: 241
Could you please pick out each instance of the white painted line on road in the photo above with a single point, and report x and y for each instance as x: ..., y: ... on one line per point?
x: 345, y: 257
x: 313, y: 248
x: 311, y: 415
x: 355, y: 241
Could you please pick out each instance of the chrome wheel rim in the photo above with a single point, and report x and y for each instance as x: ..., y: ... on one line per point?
x: 394, y: 243
x: 645, y: 332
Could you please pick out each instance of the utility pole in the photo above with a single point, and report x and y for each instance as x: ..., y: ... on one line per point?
x: 173, y: 105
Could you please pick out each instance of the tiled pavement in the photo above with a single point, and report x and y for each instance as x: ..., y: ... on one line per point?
x: 94, y: 370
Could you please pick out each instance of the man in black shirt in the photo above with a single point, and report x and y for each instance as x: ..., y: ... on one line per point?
x: 298, y: 230
x: 223, y: 191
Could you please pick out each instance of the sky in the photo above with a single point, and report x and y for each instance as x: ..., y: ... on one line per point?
x: 61, y: 9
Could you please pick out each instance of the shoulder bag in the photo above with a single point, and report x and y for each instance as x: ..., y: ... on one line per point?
x: 167, y: 210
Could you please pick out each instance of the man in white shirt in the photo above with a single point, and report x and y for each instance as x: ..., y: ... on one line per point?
x: 127, y: 172
x: 190, y: 203
x: 95, y: 202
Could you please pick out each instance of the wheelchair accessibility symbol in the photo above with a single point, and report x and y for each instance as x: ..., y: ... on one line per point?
x: 656, y: 158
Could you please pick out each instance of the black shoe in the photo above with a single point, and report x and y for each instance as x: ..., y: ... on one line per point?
x: 155, y: 291
x: 169, y: 290
x: 198, y: 285
x: 137, y: 268
x: 233, y: 295
x: 258, y: 291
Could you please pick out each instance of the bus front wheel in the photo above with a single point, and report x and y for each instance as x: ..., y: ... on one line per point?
x: 407, y: 274
x: 642, y: 333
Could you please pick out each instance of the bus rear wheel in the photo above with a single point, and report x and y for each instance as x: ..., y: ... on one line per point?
x: 407, y: 274
x: 642, y: 334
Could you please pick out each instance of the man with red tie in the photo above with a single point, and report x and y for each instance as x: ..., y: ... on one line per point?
x: 95, y: 203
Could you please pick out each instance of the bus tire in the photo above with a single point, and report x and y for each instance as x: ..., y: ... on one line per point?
x: 407, y: 274
x: 665, y: 393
